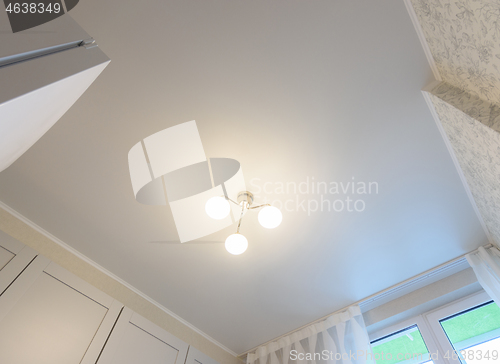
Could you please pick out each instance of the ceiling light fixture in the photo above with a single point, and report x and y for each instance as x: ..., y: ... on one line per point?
x: 170, y: 168
x: 236, y: 244
x: 218, y: 208
x: 270, y: 217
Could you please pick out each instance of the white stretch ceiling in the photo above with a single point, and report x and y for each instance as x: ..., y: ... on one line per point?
x: 295, y: 91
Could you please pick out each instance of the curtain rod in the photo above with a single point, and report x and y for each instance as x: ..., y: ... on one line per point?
x: 427, y: 272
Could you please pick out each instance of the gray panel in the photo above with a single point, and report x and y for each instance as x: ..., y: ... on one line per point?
x: 188, y: 181
x: 223, y: 169
x: 62, y: 30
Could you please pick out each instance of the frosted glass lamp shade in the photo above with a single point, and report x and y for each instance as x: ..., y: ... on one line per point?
x: 270, y: 217
x: 236, y: 244
x: 217, y: 208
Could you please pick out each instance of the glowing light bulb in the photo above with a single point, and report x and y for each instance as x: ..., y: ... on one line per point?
x: 270, y: 217
x: 217, y: 207
x: 236, y: 244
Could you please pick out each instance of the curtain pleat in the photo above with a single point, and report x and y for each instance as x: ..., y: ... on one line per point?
x: 486, y: 266
x: 340, y: 339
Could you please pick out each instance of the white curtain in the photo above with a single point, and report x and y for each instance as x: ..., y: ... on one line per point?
x: 486, y: 265
x: 340, y: 339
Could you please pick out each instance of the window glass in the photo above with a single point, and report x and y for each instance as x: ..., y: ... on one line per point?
x: 406, y: 346
x: 475, y: 333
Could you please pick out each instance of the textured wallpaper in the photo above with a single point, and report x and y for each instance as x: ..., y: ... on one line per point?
x: 476, y: 145
x: 464, y: 38
x: 483, y: 111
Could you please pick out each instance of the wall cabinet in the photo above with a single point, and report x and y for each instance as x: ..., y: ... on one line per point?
x: 137, y: 340
x: 43, y: 72
x: 60, y: 31
x: 50, y: 316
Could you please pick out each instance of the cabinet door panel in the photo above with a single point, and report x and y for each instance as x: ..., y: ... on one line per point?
x: 137, y: 340
x: 195, y: 356
x: 5, y: 257
x: 152, y: 350
x: 49, y: 316
x: 14, y: 257
x: 10, y: 244
x: 53, y: 310
x: 14, y: 267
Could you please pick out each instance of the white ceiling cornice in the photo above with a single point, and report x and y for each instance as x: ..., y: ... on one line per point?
x: 423, y: 41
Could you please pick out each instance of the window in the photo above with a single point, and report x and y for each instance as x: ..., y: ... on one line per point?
x: 466, y: 331
x: 475, y: 333
x: 406, y: 346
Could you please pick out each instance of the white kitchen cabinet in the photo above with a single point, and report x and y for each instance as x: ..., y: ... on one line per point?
x: 195, y: 356
x: 50, y: 316
x: 14, y: 257
x: 36, y: 93
x: 136, y: 340
x: 52, y: 35
x: 43, y: 72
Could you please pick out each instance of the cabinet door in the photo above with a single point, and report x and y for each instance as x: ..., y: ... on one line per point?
x: 137, y: 340
x: 197, y: 357
x: 14, y: 257
x: 9, y: 248
x: 50, y: 316
x: 5, y: 256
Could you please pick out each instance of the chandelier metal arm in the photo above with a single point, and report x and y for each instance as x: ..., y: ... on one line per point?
x: 241, y: 217
x: 227, y: 198
x: 257, y: 207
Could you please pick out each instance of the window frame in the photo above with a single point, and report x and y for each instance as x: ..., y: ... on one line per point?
x: 430, y: 328
x: 433, y: 317
x: 422, y: 327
